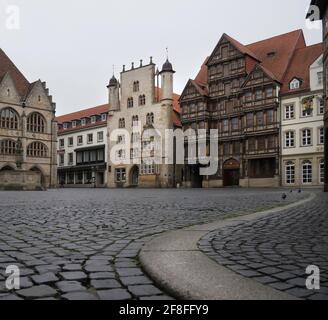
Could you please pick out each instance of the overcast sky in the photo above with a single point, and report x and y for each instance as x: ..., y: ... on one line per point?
x: 73, y: 44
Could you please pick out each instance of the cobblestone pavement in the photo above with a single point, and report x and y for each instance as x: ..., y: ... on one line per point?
x: 84, y: 244
x: 276, y: 250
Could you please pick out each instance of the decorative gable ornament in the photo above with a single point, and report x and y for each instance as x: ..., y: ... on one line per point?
x: 307, y: 103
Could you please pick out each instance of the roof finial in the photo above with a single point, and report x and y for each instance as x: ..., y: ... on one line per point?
x: 167, y: 53
x: 113, y: 69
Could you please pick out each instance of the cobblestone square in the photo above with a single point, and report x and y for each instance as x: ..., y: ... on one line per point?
x: 84, y: 243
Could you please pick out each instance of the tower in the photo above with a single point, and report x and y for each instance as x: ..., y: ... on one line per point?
x: 167, y: 81
x: 114, y: 94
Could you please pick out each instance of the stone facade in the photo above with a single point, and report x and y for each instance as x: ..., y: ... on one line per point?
x: 302, y: 130
x: 28, y: 130
x: 137, y: 105
x: 322, y: 5
x: 82, y: 148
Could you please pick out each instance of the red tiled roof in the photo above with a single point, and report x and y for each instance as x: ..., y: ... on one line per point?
x: 283, y: 46
x: 86, y: 113
x: 7, y: 66
x: 300, y: 67
x: 274, y: 54
x: 240, y: 47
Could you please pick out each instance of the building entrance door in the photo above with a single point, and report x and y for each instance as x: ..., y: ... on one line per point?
x: 231, y: 173
x: 135, y: 176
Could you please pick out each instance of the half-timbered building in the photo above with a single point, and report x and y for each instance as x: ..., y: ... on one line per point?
x: 237, y: 92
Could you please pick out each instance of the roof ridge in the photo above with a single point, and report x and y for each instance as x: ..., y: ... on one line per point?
x: 82, y: 110
x: 13, y: 64
x: 276, y: 36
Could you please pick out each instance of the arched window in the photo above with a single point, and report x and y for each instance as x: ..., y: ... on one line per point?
x: 130, y: 102
x: 9, y: 119
x: 307, y: 171
x: 7, y: 147
x: 121, y: 123
x: 135, y: 86
x: 150, y: 119
x: 322, y: 171
x: 36, y: 123
x: 37, y: 150
x: 142, y: 100
x: 290, y: 172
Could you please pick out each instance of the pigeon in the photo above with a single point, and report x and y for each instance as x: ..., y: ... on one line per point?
x: 284, y: 196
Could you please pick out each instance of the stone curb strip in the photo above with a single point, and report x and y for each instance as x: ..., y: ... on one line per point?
x: 174, y: 261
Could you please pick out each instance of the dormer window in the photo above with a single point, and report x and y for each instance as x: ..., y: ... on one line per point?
x: 83, y: 122
x: 103, y: 117
x: 93, y: 119
x: 73, y: 124
x: 271, y: 54
x: 65, y: 126
x: 294, y: 84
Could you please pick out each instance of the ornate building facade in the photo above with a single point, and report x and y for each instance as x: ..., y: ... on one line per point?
x: 143, y: 111
x: 323, y: 7
x: 28, y: 131
x: 82, y: 148
x: 302, y: 126
x: 237, y: 92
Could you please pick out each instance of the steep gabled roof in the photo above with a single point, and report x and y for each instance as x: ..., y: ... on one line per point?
x: 300, y: 67
x: 276, y: 53
x: 264, y: 70
x: 273, y: 54
x: 240, y: 47
x: 7, y: 66
x: 201, y: 77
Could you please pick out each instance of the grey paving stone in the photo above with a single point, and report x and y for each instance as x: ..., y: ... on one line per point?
x: 73, y: 275
x: 44, y: 278
x: 105, y: 284
x: 70, y: 286
x: 144, y: 290
x: 115, y: 294
x: 102, y: 275
x: 135, y: 280
x: 126, y: 272
x: 72, y: 267
x: 98, y: 268
x: 80, y: 296
x: 37, y: 292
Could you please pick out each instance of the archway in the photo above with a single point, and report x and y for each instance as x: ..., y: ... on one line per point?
x: 231, y: 173
x: 134, y: 176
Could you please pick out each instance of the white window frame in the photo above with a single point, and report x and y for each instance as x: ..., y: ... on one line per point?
x: 80, y: 143
x: 290, y: 172
x: 102, y: 133
x: 321, y: 135
x: 306, y: 138
x: 294, y: 84
x: 290, y: 139
x: 90, y: 141
x: 322, y: 171
x: 83, y: 122
x: 320, y: 77
x: 307, y: 172
x: 321, y: 106
x: 289, y: 111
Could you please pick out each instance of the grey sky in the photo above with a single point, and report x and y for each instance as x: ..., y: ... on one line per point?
x: 73, y: 44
